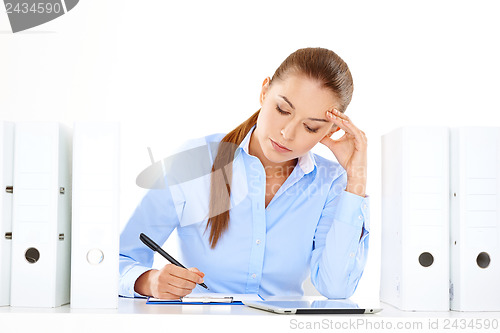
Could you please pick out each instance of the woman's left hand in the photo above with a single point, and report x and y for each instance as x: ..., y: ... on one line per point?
x: 350, y: 151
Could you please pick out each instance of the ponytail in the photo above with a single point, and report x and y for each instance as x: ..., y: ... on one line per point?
x: 220, y: 182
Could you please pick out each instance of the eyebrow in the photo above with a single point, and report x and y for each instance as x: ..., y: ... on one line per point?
x: 317, y: 119
x: 291, y: 105
x: 286, y: 100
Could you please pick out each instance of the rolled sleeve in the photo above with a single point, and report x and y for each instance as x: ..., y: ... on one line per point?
x: 127, y: 282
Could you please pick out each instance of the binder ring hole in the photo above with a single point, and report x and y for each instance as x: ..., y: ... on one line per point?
x: 32, y: 255
x: 483, y: 260
x: 426, y: 259
x: 95, y: 256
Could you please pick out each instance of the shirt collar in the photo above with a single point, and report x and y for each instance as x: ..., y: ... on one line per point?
x: 306, y: 162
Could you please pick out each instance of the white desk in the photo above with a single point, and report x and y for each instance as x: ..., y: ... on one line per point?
x: 134, y: 315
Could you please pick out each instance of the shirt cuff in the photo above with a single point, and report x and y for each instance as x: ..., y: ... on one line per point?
x: 127, y: 282
x: 353, y: 210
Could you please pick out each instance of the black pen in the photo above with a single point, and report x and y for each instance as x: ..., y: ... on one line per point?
x: 155, y: 247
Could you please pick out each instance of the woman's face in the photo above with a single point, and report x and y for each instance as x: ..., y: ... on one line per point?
x: 293, y: 115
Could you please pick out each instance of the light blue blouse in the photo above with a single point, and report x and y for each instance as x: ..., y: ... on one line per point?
x: 311, y: 226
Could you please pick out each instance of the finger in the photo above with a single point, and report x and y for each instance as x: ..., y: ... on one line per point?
x: 196, y: 271
x: 347, y: 121
x: 359, y: 136
x: 179, y: 282
x: 179, y: 277
x: 351, y: 131
x: 173, y: 290
x: 327, y: 141
x: 341, y: 123
x: 359, y: 133
x: 333, y: 118
x: 340, y: 115
x: 183, y: 273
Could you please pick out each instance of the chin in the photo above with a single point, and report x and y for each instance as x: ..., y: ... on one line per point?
x: 276, y: 157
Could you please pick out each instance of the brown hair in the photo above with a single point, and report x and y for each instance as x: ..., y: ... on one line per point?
x: 316, y: 63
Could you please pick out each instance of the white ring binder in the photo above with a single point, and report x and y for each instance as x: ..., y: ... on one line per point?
x: 95, y: 238
x: 41, y: 260
x: 415, y: 222
x: 475, y: 219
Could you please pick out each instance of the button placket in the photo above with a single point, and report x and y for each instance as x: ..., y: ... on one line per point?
x: 259, y: 232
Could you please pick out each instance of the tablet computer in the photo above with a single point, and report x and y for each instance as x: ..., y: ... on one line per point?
x: 329, y: 306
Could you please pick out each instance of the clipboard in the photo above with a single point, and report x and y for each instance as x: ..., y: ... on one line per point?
x: 205, y: 299
x: 195, y: 300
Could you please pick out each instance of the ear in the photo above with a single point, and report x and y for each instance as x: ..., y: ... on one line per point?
x: 265, y: 88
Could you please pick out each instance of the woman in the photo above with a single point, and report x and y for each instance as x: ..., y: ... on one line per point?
x: 287, y: 213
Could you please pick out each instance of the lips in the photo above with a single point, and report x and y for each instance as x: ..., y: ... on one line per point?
x: 279, y: 147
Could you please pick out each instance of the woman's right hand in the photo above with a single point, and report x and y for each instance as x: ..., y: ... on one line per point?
x: 170, y: 282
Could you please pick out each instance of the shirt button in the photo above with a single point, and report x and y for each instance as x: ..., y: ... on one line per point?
x: 365, y: 206
x: 257, y: 241
x: 254, y: 276
x: 351, y: 255
x: 360, y: 217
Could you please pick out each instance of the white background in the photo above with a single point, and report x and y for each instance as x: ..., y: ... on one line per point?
x: 173, y: 70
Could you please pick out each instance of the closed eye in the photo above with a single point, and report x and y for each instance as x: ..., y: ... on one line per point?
x: 310, y: 130
x: 281, y: 111
x: 284, y: 113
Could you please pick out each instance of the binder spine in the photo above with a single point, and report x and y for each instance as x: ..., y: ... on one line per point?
x: 41, y: 161
x: 415, y: 213
x: 426, y: 224
x: 95, y: 244
x: 6, y: 190
x: 64, y: 192
x: 475, y: 220
x: 392, y: 212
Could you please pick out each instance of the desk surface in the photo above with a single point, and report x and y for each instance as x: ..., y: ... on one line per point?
x: 135, y: 314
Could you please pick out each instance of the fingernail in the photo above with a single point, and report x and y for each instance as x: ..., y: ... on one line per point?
x: 345, y: 121
x: 329, y: 114
x: 336, y: 111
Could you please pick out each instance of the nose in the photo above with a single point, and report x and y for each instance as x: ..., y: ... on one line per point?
x: 288, y: 131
